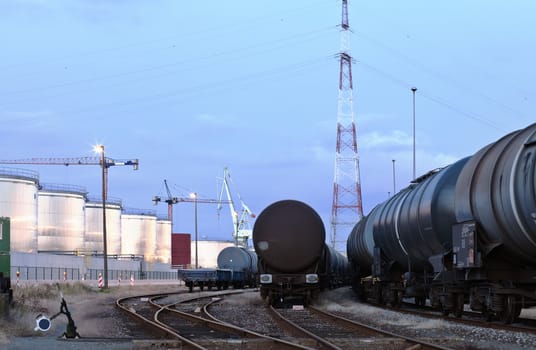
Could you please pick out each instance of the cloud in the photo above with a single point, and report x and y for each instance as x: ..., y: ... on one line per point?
x: 377, y: 140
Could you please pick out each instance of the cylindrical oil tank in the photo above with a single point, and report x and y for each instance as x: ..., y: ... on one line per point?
x: 93, y: 237
x: 237, y: 259
x: 138, y: 234
x: 289, y: 236
x: 163, y: 241
x: 60, y: 217
x: 497, y: 189
x: 413, y: 225
x: 18, y: 201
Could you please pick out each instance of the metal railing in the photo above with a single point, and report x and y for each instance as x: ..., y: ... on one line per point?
x: 39, y: 273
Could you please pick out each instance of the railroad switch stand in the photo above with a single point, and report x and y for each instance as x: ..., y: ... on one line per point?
x: 70, y: 331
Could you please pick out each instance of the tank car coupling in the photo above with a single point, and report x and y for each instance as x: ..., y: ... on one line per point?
x: 311, y: 278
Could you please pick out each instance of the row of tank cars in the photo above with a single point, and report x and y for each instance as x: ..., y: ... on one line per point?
x: 461, y: 235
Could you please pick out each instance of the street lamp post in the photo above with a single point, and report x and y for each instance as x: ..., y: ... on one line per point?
x: 194, y: 196
x: 100, y: 149
x: 394, y: 178
x: 413, y: 90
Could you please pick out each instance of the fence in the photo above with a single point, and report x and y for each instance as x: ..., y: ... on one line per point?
x: 36, y: 273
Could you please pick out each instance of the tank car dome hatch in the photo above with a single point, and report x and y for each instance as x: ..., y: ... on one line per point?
x: 289, y: 235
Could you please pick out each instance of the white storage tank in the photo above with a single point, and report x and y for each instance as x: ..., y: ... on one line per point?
x: 93, y: 236
x: 18, y: 201
x: 208, y: 251
x: 163, y: 241
x: 60, y: 217
x: 138, y: 236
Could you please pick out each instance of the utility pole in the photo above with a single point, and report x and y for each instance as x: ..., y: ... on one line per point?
x: 413, y: 90
x: 347, y: 207
x: 394, y: 178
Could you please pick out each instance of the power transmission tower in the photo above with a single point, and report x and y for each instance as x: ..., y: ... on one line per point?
x: 347, y: 207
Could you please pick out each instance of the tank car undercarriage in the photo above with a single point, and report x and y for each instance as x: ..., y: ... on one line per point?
x: 289, y: 289
x: 496, y: 294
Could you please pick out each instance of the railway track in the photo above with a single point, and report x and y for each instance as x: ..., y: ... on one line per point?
x: 213, y: 320
x: 315, y: 328
x: 471, y: 318
x: 335, y: 332
x: 189, y: 322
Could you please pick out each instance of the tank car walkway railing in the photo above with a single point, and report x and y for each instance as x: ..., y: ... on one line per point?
x: 39, y: 273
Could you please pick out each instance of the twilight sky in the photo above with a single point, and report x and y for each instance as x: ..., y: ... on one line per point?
x: 190, y: 87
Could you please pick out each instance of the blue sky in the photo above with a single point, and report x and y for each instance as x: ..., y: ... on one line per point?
x: 191, y: 87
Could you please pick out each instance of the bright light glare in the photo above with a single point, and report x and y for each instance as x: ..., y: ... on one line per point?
x: 98, y: 148
x: 193, y: 195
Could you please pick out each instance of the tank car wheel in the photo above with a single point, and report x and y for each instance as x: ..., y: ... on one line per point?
x: 444, y: 310
x: 444, y: 307
x: 264, y: 293
x: 420, y: 301
x: 307, y: 299
x: 270, y: 300
x: 487, y: 315
x: 508, y: 315
x: 458, y: 305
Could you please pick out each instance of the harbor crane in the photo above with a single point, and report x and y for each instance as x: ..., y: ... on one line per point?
x: 194, y: 198
x: 170, y: 200
x: 241, y: 227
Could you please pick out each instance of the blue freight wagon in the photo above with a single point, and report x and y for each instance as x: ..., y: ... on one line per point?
x: 206, y: 278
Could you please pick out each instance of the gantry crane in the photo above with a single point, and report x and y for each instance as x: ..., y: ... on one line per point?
x: 241, y: 228
x: 108, y: 162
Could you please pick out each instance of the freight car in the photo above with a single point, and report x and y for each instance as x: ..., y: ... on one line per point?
x: 294, y: 260
x: 6, y: 293
x: 237, y: 268
x: 243, y: 263
x: 205, y: 278
x: 463, y: 234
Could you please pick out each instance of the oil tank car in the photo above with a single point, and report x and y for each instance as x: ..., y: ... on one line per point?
x: 294, y: 260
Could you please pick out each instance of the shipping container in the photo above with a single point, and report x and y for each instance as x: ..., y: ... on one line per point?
x: 180, y: 250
